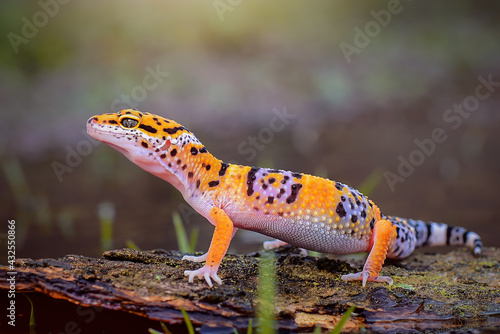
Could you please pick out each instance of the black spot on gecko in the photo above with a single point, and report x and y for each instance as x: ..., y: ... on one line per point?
x: 270, y: 200
x: 372, y: 223
x: 297, y: 175
x: 250, y: 179
x: 208, y: 167
x: 194, y: 150
x: 198, y: 184
x: 342, y: 198
x: 363, y: 214
x: 223, y: 168
x: 113, y: 122
x: 163, y: 156
x: 273, y: 170
x: 358, y: 202
x: 174, y: 130
x: 203, y: 150
x: 173, y: 152
x: 184, y: 167
x: 190, y: 175
x: 148, y: 128
x: 285, y: 178
x: 340, y: 210
x: 144, y: 144
x: 295, y: 191
x: 339, y: 185
x: 351, y: 203
x: 179, y: 161
x: 264, y: 186
x: 354, y: 218
x: 213, y: 183
x: 272, y: 180
x: 429, y: 233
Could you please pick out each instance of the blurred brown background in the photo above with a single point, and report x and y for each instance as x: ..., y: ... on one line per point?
x: 345, y: 90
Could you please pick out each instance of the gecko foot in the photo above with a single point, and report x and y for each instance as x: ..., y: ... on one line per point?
x: 195, y: 258
x: 269, y: 245
x: 364, y: 276
x: 205, y: 272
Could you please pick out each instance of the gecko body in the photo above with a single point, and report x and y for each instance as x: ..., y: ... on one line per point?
x: 300, y: 209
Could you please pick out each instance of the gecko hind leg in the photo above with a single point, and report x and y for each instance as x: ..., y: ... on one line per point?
x: 269, y: 245
x: 384, y: 234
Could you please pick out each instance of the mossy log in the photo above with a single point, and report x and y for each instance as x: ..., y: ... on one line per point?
x: 430, y: 291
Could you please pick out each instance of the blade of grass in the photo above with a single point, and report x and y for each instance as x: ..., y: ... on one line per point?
x: 165, y: 329
x: 370, y: 182
x: 317, y: 330
x: 106, y: 213
x: 180, y: 232
x: 189, y: 325
x: 32, y: 323
x: 130, y: 244
x: 343, y: 320
x: 266, y: 292
x: 193, y: 239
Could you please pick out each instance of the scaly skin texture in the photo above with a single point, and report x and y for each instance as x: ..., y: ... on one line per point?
x: 303, y: 210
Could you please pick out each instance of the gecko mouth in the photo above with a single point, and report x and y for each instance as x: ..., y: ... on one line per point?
x: 102, y: 135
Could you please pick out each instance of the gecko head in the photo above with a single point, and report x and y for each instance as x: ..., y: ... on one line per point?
x: 150, y: 141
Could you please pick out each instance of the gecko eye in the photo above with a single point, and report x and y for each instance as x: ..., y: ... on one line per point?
x: 129, y: 122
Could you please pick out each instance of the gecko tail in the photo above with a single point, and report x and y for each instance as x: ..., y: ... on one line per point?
x: 439, y: 234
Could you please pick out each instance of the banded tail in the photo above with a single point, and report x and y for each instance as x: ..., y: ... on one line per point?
x: 417, y: 233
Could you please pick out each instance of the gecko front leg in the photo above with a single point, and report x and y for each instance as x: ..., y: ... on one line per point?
x: 224, y: 231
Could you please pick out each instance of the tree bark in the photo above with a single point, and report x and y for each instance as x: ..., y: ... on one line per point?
x: 430, y: 291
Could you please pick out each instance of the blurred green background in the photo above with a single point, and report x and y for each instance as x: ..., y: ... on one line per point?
x: 360, y: 81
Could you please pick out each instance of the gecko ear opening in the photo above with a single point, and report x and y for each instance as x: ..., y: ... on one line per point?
x: 166, y: 145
